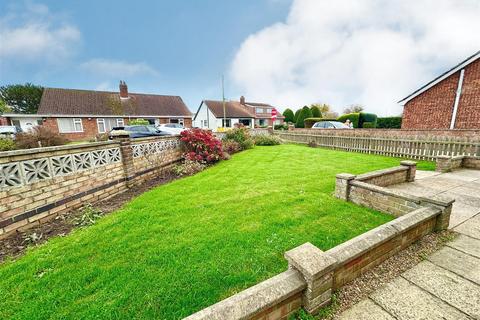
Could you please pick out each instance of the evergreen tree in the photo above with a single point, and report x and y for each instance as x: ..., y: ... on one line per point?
x: 289, y: 116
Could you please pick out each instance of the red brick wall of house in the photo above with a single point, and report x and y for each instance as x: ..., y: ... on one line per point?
x: 433, y: 108
x: 3, y: 121
x: 90, y: 129
x: 468, y: 113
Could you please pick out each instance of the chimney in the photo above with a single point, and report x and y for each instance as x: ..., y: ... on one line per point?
x: 242, y: 100
x: 123, y: 89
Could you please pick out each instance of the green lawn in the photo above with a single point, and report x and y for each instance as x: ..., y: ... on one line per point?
x: 188, y: 244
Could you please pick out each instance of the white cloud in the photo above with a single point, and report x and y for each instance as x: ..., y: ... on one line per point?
x: 344, y: 52
x: 117, y: 69
x: 32, y: 33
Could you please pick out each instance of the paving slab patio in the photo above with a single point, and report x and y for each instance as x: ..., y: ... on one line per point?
x: 447, y: 284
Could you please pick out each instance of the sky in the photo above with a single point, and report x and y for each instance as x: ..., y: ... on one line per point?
x: 288, y: 53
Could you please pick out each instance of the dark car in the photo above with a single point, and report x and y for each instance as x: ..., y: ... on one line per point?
x: 141, y: 131
x: 330, y: 125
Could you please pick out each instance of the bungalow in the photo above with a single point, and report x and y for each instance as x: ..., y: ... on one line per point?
x: 212, y: 115
x: 82, y: 114
x: 450, y: 101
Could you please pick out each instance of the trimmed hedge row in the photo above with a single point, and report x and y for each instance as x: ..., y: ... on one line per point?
x: 359, y: 120
x: 389, y: 123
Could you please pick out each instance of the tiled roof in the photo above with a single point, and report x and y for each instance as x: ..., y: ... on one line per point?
x: 87, y: 102
x: 233, y: 109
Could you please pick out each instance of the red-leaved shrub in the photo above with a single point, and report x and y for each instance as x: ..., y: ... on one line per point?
x: 201, y: 146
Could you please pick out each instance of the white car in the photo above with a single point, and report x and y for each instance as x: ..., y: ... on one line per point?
x: 173, y: 128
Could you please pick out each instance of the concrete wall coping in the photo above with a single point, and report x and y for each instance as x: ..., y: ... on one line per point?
x: 253, y: 300
x: 150, y: 139
x: 369, y: 240
x: 310, y: 260
x: 386, y: 191
x: 379, y: 173
x: 72, y: 147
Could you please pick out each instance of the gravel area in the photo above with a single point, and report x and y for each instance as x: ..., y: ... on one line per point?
x: 391, y: 268
x: 15, y: 245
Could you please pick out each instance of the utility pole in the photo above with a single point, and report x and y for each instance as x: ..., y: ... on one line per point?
x: 223, y: 100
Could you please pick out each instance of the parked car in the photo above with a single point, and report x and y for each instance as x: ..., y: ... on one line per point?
x: 9, y: 131
x: 330, y: 125
x: 174, y: 128
x: 140, y: 131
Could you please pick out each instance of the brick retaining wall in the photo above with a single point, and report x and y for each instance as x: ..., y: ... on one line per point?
x: 314, y: 275
x: 446, y: 163
x: 37, y: 184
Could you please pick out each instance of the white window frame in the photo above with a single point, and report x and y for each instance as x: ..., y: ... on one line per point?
x: 120, y: 122
x: 102, y: 121
x: 75, y: 121
x: 259, y: 110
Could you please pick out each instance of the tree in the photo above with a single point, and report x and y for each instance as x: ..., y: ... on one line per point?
x: 304, y: 113
x: 354, y: 108
x: 4, y: 108
x: 22, y: 98
x: 297, y: 113
x: 326, y: 110
x: 316, y: 113
x: 288, y: 114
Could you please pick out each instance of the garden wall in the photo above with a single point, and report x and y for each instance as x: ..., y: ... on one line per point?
x: 37, y: 184
x: 314, y: 275
x: 446, y: 163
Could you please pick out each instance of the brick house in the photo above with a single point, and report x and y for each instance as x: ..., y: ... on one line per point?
x: 451, y: 101
x: 210, y: 114
x: 83, y: 114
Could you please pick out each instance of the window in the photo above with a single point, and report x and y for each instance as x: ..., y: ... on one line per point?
x: 69, y: 125
x: 204, y: 123
x: 269, y: 110
x: 226, y: 123
x: 105, y: 125
x: 259, y: 110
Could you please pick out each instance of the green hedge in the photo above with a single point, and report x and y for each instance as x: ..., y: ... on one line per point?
x: 354, y: 119
x: 367, y: 117
x: 368, y: 125
x: 389, y: 123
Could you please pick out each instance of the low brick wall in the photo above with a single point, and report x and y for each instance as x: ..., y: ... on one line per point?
x: 314, y: 275
x: 446, y: 163
x: 37, y: 184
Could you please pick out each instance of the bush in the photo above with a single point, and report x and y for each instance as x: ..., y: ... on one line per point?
x: 133, y: 122
x: 201, y: 146
x: 39, y: 136
x: 231, y: 146
x: 6, y: 144
x: 389, y: 123
x: 316, y: 113
x: 100, y: 137
x: 281, y: 126
x: 289, y: 115
x: 266, y: 140
x: 304, y: 114
x: 353, y: 117
x: 369, y: 125
x: 188, y: 168
x: 367, y: 117
x: 295, y: 116
x: 240, y: 135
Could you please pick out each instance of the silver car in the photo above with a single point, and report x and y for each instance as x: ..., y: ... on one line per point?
x: 330, y: 125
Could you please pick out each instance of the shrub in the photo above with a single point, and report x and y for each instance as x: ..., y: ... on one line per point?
x: 6, y: 144
x: 201, y: 146
x: 295, y: 116
x: 353, y: 117
x: 188, y: 168
x: 369, y: 125
x: 389, y: 123
x: 316, y: 113
x: 289, y: 115
x: 39, y: 136
x: 133, y: 122
x: 240, y: 135
x: 231, y: 146
x: 304, y: 114
x: 367, y: 117
x: 100, y: 137
x: 266, y: 140
x: 281, y: 126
